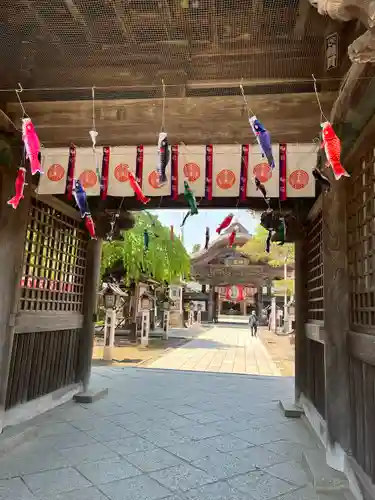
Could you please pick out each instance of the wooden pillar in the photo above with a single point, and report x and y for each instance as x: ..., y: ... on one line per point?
x: 13, y: 225
x: 260, y: 300
x: 94, y: 253
x: 300, y: 319
x: 211, y: 303
x: 336, y: 317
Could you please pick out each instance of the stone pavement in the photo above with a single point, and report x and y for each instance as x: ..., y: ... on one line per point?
x: 163, y: 434
x: 223, y: 348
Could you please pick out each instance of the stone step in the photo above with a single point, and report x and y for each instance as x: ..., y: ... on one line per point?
x: 290, y: 409
x: 348, y: 495
x: 323, y: 477
x: 336, y: 495
x: 15, y: 436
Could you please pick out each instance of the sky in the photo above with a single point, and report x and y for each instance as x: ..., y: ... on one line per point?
x: 195, y: 226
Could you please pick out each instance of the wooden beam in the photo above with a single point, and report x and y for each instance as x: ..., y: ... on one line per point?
x: 123, y: 18
x: 362, y: 347
x: 336, y: 319
x: 350, y: 82
x: 360, y: 146
x: 133, y: 69
x: 46, y: 29
x: 193, y: 120
x: 47, y: 321
x: 79, y: 17
x: 304, y: 10
x: 315, y: 332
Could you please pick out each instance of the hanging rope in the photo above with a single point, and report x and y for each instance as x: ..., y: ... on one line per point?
x: 163, y: 106
x: 9, y: 120
x: 93, y: 107
x: 94, y: 134
x: 322, y: 115
x: 248, y: 109
x: 18, y: 91
x: 115, y: 218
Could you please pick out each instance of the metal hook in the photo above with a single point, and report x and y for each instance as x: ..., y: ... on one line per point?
x: 18, y: 91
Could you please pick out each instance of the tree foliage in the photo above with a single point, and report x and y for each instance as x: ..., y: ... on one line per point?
x: 255, y: 249
x: 165, y: 259
x: 280, y: 285
x: 196, y: 248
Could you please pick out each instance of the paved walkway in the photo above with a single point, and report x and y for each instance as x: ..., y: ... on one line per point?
x: 225, y: 349
x: 163, y: 434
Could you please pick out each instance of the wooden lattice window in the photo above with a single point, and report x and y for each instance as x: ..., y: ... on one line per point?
x: 361, y: 242
x: 315, y: 289
x: 54, y: 261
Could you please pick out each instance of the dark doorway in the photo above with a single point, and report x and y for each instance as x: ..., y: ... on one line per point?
x: 231, y: 307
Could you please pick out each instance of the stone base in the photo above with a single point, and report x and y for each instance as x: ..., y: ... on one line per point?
x: 90, y: 396
x: 12, y: 437
x: 108, y: 353
x: 290, y: 409
x: 323, y: 478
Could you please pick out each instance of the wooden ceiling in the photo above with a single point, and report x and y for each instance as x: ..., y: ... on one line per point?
x: 192, y: 120
x: 201, y: 48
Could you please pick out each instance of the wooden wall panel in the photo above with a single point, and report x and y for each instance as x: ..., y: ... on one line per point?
x: 361, y: 338
x: 41, y: 363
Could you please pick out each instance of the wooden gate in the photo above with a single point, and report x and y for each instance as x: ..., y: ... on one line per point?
x: 50, y: 305
x: 361, y: 338
x: 314, y: 327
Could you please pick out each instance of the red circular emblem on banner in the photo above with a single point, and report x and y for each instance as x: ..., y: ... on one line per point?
x: 121, y: 172
x: 225, y: 179
x: 88, y: 179
x: 299, y: 179
x: 235, y: 293
x: 55, y: 172
x: 153, y: 179
x: 263, y: 172
x: 192, y: 171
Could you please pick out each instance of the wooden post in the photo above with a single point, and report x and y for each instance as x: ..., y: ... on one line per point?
x: 300, y: 319
x: 211, y: 303
x: 336, y: 317
x: 94, y: 253
x: 13, y: 225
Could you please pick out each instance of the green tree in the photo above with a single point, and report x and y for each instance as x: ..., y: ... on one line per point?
x: 196, y: 248
x: 256, y: 250
x: 165, y: 260
x: 278, y: 256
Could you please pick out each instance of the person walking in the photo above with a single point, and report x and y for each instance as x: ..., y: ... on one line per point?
x: 253, y: 322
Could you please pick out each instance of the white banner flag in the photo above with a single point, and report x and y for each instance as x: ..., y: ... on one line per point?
x: 259, y: 167
x: 121, y: 161
x: 150, y: 177
x: 226, y: 170
x: 192, y: 167
x: 300, y: 162
x: 85, y: 169
x: 55, y: 163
